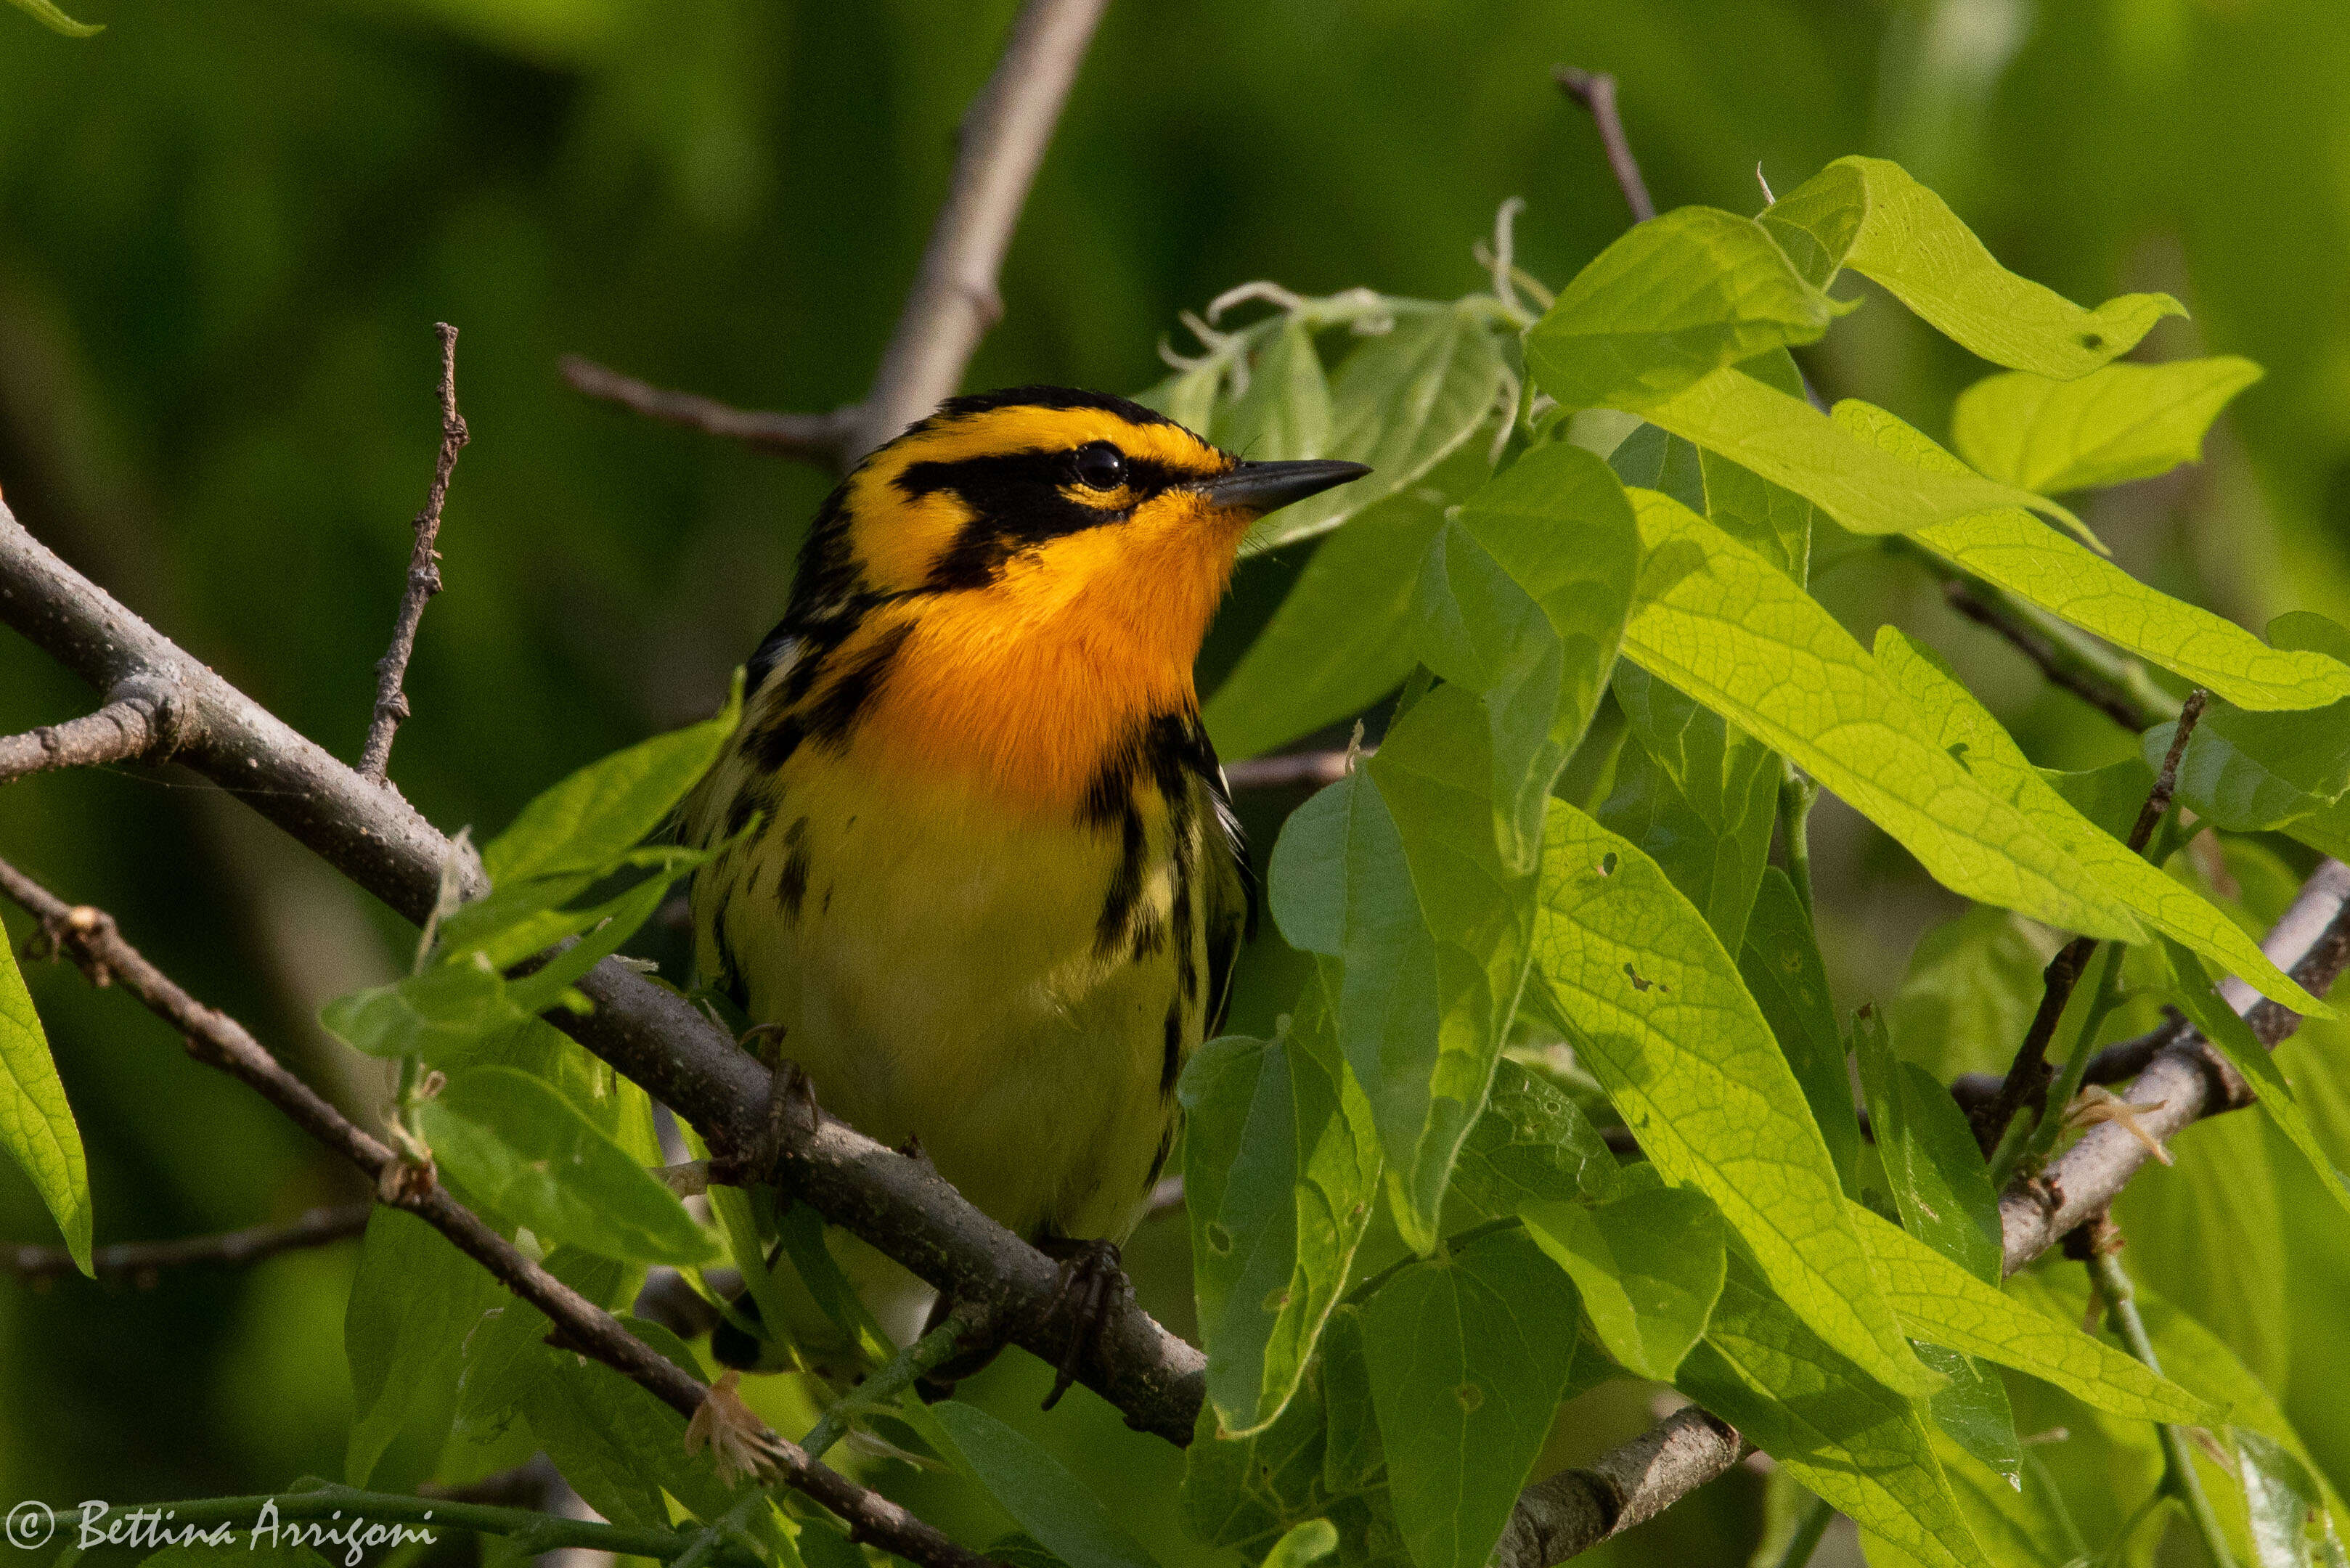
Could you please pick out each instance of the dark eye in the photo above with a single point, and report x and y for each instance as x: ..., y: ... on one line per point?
x: 1100, y: 466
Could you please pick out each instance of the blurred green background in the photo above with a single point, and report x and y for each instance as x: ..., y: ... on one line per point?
x: 227, y: 227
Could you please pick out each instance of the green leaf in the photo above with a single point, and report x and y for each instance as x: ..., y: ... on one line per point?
x: 1773, y: 522
x: 1732, y: 631
x: 1648, y: 1266
x: 2220, y: 1024
x: 1401, y: 403
x: 414, y: 1300
x: 1854, y: 1442
x: 36, y: 1125
x: 1285, y: 411
x: 2121, y: 422
x: 2219, y: 1200
x: 2247, y: 772
x: 1655, y: 460
x: 521, y: 1148
x: 440, y: 1015
x: 589, y: 822
x: 2110, y: 796
x: 2281, y: 1500
x: 1779, y: 962
x: 1659, y: 1014
x: 1785, y: 441
x: 1972, y: 1411
x: 1395, y: 871
x: 1911, y: 243
x: 1973, y: 984
x: 1186, y: 397
x: 1964, y: 729
x: 1281, y: 1166
x: 1533, y: 1143
x: 1699, y: 794
x: 1522, y: 599
x: 1938, y: 1298
x: 1308, y: 1542
x: 1042, y: 1497
x: 1468, y: 1355
x: 1341, y: 639
x: 1671, y: 300
x: 56, y: 21
x: 2008, y: 547
x: 1940, y: 1181
x: 1244, y: 1492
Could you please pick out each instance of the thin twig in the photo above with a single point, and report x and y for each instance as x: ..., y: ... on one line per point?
x: 141, y: 1261
x: 1798, y: 793
x: 1595, y: 91
x: 2102, y: 1253
x: 136, y: 722
x: 423, y: 573
x: 90, y: 939
x: 1294, y: 770
x: 816, y: 437
x: 2064, y: 661
x: 2028, y: 1075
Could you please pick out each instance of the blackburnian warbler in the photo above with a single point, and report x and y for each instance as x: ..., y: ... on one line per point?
x: 996, y: 888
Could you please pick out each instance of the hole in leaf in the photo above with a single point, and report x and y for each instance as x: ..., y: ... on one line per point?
x: 1607, y: 864
x: 2091, y: 341
x: 1634, y: 976
x: 1220, y: 1240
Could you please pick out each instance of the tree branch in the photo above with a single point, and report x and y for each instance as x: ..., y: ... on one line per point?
x: 90, y: 937
x: 1595, y: 91
x: 1575, y: 1511
x: 135, y: 724
x: 816, y: 437
x: 1294, y: 770
x: 423, y: 573
x: 953, y: 302
x: 141, y: 1261
x: 379, y: 841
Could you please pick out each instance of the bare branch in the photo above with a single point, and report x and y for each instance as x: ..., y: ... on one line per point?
x: 135, y: 724
x: 379, y: 841
x: 141, y: 1261
x: 953, y: 302
x: 90, y: 937
x: 1575, y: 1511
x: 1595, y: 91
x: 2190, y: 1079
x: 1000, y: 144
x: 423, y: 573
x: 816, y: 437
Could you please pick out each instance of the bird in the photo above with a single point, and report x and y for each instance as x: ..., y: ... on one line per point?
x: 975, y: 867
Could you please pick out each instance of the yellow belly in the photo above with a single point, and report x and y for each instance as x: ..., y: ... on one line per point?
x: 938, y: 966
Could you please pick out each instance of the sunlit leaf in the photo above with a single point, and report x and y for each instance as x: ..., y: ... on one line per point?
x: 36, y: 1125
x: 1671, y: 300
x: 1659, y: 1014
x: 1908, y: 240
x: 1648, y: 1266
x: 2122, y: 422
x: 1522, y: 599
x: 45, y: 13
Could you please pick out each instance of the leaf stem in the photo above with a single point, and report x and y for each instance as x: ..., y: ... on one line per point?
x: 886, y: 1382
x: 1798, y: 793
x: 1808, y: 1530
x: 2179, y: 1479
x: 2033, y: 1149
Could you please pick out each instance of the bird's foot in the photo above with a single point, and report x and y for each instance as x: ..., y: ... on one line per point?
x: 1093, y: 1278
x: 791, y: 1112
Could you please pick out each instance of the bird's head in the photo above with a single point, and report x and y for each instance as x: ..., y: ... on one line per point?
x: 1039, y: 498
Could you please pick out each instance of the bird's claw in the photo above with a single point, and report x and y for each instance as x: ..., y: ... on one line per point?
x: 1093, y: 1276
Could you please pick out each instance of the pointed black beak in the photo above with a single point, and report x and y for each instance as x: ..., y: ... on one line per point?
x: 1263, y: 487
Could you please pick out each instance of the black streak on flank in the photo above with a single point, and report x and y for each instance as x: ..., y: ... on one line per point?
x: 747, y: 800
x: 729, y: 974
x: 833, y: 715
x: 1171, y: 1068
x: 791, y: 886
x: 771, y: 745
x: 1159, y: 1160
x: 1125, y: 885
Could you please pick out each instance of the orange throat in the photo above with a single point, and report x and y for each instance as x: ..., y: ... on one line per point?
x: 1023, y: 690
